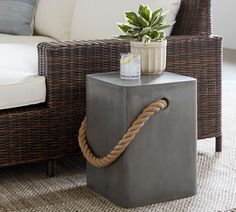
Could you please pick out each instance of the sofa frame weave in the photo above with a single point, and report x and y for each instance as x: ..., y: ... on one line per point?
x: 49, y: 131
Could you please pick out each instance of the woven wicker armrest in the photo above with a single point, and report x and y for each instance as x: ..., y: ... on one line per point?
x: 65, y: 65
x: 200, y: 57
x: 194, y: 18
x: 194, y: 55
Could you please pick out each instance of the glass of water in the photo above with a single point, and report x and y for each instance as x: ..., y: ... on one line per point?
x: 130, y: 68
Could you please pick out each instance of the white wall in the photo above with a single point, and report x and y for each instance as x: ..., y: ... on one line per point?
x: 224, y: 21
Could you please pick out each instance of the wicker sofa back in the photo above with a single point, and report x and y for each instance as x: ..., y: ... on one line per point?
x: 194, y: 18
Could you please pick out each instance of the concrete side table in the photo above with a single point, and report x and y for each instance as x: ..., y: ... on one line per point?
x: 160, y: 163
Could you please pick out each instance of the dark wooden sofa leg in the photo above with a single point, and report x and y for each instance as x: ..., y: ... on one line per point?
x: 219, y: 144
x: 51, y: 167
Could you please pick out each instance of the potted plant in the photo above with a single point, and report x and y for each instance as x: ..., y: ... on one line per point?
x: 145, y: 30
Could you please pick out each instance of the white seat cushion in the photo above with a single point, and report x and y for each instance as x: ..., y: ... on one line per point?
x: 5, y: 38
x: 21, y: 89
x: 98, y: 19
x: 20, y: 84
x: 19, y: 57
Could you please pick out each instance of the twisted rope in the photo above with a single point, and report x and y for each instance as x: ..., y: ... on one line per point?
x: 124, y: 142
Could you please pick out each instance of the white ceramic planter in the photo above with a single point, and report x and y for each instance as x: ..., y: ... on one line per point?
x: 153, y: 56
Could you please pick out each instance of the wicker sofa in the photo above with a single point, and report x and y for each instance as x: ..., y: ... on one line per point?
x: 48, y: 131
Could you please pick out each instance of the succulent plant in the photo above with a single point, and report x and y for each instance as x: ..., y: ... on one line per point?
x: 146, y: 26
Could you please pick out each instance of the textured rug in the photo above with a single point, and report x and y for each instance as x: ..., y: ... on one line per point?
x: 26, y: 188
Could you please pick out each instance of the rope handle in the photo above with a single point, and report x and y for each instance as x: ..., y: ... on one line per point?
x: 105, y: 161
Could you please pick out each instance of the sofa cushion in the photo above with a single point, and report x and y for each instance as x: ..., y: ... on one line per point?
x: 89, y: 22
x: 19, y: 89
x: 53, y: 18
x: 16, y: 16
x: 5, y: 38
x: 20, y: 84
x: 19, y: 57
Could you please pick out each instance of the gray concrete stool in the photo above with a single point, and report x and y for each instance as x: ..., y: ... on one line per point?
x: 160, y: 163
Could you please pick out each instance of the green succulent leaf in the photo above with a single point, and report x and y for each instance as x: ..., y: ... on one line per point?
x: 124, y: 27
x: 140, y: 8
x: 162, y: 27
x: 133, y: 32
x: 154, y: 34
x: 127, y: 37
x: 132, y: 19
x: 155, y: 15
x: 143, y: 22
x: 145, y: 30
x: 145, y: 12
x: 159, y: 20
x: 157, y: 35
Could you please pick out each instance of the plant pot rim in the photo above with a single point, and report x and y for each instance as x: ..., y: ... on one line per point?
x: 162, y: 43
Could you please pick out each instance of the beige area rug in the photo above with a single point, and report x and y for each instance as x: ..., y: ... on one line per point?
x: 26, y: 188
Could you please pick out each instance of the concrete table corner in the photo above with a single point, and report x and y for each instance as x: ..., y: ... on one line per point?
x: 160, y: 163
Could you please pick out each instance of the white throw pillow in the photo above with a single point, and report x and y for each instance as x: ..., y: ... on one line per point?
x: 19, y: 57
x: 53, y: 18
x: 95, y: 19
